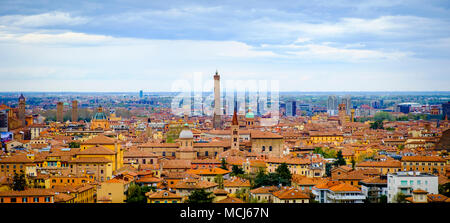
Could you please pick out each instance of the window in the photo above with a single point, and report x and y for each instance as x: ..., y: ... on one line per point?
x: 270, y: 148
x: 36, y: 200
x: 24, y: 200
x: 13, y: 200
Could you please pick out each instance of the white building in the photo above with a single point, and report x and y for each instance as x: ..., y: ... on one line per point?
x: 337, y: 192
x: 406, y: 182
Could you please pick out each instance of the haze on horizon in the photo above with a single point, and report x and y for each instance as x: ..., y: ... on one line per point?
x: 308, y: 46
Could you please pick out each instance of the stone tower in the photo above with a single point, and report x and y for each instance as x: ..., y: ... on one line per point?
x: 22, y: 104
x: 217, y: 119
x: 59, y: 112
x: 74, y: 111
x: 342, y: 113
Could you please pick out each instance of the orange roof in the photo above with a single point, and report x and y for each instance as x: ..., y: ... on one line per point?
x: 163, y: 194
x: 343, y: 187
x: 28, y: 192
x: 209, y: 171
x: 387, y: 163
x: 194, y: 184
x: 231, y: 200
x: 264, y: 190
x: 236, y: 182
x: 422, y: 159
x: 420, y: 191
x: 290, y: 193
x: 100, y: 139
x: 96, y: 150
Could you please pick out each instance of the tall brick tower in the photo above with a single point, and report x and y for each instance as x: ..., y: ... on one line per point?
x: 22, y: 104
x: 59, y: 112
x: 217, y: 119
x: 74, y: 111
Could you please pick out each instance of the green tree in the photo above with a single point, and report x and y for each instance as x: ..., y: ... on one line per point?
x: 74, y: 145
x: 242, y: 194
x: 383, y: 199
x: 377, y: 125
x: 263, y: 179
x: 236, y: 170
x: 284, y: 174
x: 381, y: 116
x: 340, y: 159
x: 19, y: 181
x: 353, y: 163
x: 135, y: 194
x: 400, y: 198
x: 218, y: 179
x: 200, y: 196
x: 169, y: 139
x: 328, y: 167
x: 444, y: 189
x: 224, y: 164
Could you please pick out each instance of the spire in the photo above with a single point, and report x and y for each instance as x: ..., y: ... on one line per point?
x: 235, y: 121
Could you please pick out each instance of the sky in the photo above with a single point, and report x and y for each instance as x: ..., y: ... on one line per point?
x: 314, y: 45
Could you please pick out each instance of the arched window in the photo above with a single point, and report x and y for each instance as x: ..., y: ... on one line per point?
x: 264, y: 148
x: 270, y: 148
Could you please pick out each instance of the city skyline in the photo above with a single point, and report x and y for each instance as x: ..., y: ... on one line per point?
x: 318, y: 46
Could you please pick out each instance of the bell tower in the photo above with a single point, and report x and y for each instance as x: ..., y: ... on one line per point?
x: 235, y: 131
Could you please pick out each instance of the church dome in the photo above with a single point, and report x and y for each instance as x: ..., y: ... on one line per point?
x: 186, y: 134
x: 100, y: 116
x: 250, y: 115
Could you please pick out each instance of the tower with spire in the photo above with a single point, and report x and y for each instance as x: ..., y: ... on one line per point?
x: 235, y: 131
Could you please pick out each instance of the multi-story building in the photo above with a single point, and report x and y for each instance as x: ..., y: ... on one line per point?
x: 384, y: 167
x: 406, y: 182
x: 337, y: 192
x: 32, y: 195
x: 373, y: 188
x: 426, y: 164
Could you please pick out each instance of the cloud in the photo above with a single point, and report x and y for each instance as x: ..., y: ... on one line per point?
x: 42, y: 20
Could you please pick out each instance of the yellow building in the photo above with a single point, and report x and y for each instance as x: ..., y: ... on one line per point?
x: 325, y: 137
x: 295, y: 165
x: 103, y: 146
x: 62, y: 181
x: 112, y: 191
x: 81, y: 193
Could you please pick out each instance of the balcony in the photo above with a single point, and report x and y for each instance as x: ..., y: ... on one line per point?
x: 345, y: 197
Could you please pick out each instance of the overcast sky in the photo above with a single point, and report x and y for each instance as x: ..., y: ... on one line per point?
x: 380, y: 45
